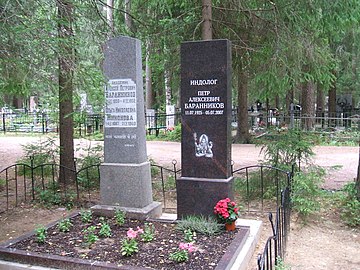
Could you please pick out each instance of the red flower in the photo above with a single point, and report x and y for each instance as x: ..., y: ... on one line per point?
x: 226, y: 211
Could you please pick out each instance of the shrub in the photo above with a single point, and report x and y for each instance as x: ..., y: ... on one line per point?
x: 350, y: 206
x: 306, y: 190
x: 40, y: 153
x: 40, y: 233
x: 200, y: 224
x: 286, y: 149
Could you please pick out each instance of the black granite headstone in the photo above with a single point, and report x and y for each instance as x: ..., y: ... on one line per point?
x: 206, y: 126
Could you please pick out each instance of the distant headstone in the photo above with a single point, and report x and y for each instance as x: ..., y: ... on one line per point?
x: 170, y: 117
x: 206, y: 127
x: 150, y: 118
x: 125, y: 173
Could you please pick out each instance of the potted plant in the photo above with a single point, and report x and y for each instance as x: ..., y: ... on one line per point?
x: 226, y: 212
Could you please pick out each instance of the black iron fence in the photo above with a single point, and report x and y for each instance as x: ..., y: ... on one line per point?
x: 88, y: 124
x: 39, y: 122
x: 57, y: 185
x: 275, y: 246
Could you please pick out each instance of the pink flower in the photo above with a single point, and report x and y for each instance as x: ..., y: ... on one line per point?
x: 139, y: 230
x: 187, y: 246
x: 131, y: 233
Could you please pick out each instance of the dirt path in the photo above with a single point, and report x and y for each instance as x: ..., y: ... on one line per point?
x: 323, y: 244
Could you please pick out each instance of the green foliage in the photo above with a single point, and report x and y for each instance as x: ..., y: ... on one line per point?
x: 306, y: 190
x: 260, y: 184
x: 167, y: 135
x: 189, y: 235
x: 105, y: 230
x: 86, y: 216
x: 40, y: 233
x: 350, y: 206
x: 52, y: 195
x: 87, y: 164
x: 200, y: 224
x: 179, y: 256
x: 89, y: 235
x: 153, y: 168
x: 2, y: 184
x: 129, y: 247
x: 120, y: 217
x: 39, y: 153
x: 174, y: 135
x: 65, y: 225
x: 282, y: 150
x: 280, y: 265
x: 149, y: 233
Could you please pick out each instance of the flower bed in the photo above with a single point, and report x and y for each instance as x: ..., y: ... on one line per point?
x: 72, y: 249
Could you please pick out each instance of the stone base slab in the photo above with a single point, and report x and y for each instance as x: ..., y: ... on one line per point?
x: 153, y: 211
x: 198, y: 196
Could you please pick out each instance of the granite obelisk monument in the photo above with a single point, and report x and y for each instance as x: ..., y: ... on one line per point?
x: 125, y: 179
x: 206, y: 127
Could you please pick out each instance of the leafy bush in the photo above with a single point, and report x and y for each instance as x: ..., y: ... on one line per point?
x: 65, y: 225
x: 200, y: 224
x: 40, y: 153
x: 306, y: 190
x: 174, y: 135
x: 120, y: 217
x: 285, y: 149
x: 87, y: 164
x: 52, y: 195
x: 350, y: 206
x: 40, y: 233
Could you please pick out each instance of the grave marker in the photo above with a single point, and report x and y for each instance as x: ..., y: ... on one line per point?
x: 125, y: 173
x: 206, y: 127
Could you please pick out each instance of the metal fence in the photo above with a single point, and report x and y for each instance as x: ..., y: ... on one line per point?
x: 38, y: 122
x: 41, y: 183
x: 275, y: 246
x: 88, y: 124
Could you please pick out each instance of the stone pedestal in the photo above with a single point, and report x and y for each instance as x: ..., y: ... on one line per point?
x: 198, y: 196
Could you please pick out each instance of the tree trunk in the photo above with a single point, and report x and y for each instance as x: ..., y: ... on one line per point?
x: 148, y: 81
x: 206, y: 30
x: 110, y: 16
x: 307, y: 102
x: 66, y: 68
x: 357, y: 185
x: 168, y: 93
x: 319, y: 104
x: 128, y: 19
x: 242, y: 135
x: 288, y: 100
x: 332, y: 104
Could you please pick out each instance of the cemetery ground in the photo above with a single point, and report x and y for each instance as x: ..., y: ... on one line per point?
x: 324, y: 242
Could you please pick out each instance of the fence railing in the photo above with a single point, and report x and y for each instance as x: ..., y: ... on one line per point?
x: 275, y: 246
x: 87, y: 124
x: 41, y: 183
x: 39, y: 122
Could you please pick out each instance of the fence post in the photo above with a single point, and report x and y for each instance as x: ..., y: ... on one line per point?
x: 4, y: 125
x: 76, y: 181
x: 292, y: 115
x: 43, y: 122
x: 32, y: 176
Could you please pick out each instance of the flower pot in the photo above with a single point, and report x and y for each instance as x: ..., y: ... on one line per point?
x: 230, y: 226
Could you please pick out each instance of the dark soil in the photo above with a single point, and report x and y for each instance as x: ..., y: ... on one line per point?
x: 154, y: 254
